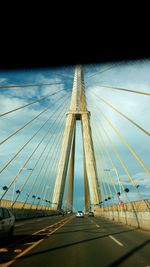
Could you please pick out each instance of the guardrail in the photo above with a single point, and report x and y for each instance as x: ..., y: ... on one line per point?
x: 20, y: 205
x: 135, y: 213
x: 26, y: 211
x: 139, y: 205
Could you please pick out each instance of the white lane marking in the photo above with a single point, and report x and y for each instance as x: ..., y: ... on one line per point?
x: 119, y: 243
x: 97, y: 225
x: 26, y: 244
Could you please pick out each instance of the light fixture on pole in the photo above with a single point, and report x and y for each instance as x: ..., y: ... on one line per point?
x: 115, y: 170
x: 15, y: 182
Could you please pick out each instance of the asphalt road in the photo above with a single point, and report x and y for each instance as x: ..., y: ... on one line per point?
x: 68, y: 241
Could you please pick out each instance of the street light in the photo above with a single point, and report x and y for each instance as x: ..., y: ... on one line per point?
x: 118, y: 179
x: 14, y: 189
x: 38, y: 202
x: 119, y: 192
x: 5, y: 187
x: 126, y: 189
x: 115, y: 170
x: 46, y: 190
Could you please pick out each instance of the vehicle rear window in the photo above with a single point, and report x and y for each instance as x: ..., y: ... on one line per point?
x: 1, y: 213
x: 6, y: 213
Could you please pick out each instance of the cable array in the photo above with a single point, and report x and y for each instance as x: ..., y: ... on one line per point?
x: 55, y: 128
x: 43, y: 144
x: 135, y: 186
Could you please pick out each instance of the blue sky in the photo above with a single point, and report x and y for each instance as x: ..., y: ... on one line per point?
x: 130, y: 75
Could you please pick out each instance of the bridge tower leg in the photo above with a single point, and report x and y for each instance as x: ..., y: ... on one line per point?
x: 78, y: 111
x: 69, y: 198
x: 86, y: 189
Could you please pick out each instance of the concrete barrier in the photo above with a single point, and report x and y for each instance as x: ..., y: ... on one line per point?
x: 22, y: 211
x: 136, y: 214
x: 21, y: 214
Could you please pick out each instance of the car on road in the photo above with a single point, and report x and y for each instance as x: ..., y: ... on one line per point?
x: 91, y: 214
x: 7, y: 222
x: 80, y: 214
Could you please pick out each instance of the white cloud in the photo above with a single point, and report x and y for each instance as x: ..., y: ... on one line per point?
x: 141, y: 179
x: 3, y: 80
x: 134, y: 76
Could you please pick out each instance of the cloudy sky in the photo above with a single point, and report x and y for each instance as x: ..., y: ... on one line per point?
x: 40, y: 155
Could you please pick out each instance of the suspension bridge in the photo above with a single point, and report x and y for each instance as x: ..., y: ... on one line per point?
x: 45, y: 161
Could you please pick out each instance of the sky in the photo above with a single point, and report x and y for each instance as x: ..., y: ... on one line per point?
x: 131, y: 75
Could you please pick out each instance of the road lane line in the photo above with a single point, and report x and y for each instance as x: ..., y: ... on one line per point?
x: 21, y: 254
x: 27, y: 244
x: 97, y: 225
x: 119, y: 243
x: 35, y: 244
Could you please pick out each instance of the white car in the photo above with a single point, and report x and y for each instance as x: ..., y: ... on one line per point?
x: 7, y: 222
x: 91, y: 214
x: 80, y: 214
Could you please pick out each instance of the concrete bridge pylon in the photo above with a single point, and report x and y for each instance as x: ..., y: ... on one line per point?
x: 78, y: 111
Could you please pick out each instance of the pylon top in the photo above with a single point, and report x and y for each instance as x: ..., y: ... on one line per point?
x: 78, y: 99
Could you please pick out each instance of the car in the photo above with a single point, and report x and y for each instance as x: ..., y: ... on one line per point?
x: 91, y: 214
x: 80, y: 214
x: 7, y: 222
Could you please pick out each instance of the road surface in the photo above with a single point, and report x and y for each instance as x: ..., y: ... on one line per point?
x: 74, y: 242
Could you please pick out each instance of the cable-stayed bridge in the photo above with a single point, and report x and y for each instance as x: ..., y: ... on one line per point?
x: 44, y: 159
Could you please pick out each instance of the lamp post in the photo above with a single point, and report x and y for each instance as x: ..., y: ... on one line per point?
x: 13, y: 192
x: 38, y: 198
x: 34, y: 197
x: 46, y: 190
x: 14, y: 189
x: 48, y: 203
x: 6, y: 188
x: 119, y: 192
x: 118, y: 179
x: 115, y: 170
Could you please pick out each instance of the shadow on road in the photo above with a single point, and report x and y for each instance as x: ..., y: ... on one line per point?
x: 129, y: 254
x: 70, y: 244
x: 95, y: 230
x: 10, y: 247
x: 23, y: 241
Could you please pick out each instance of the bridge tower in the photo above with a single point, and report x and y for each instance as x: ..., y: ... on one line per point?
x: 78, y: 111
